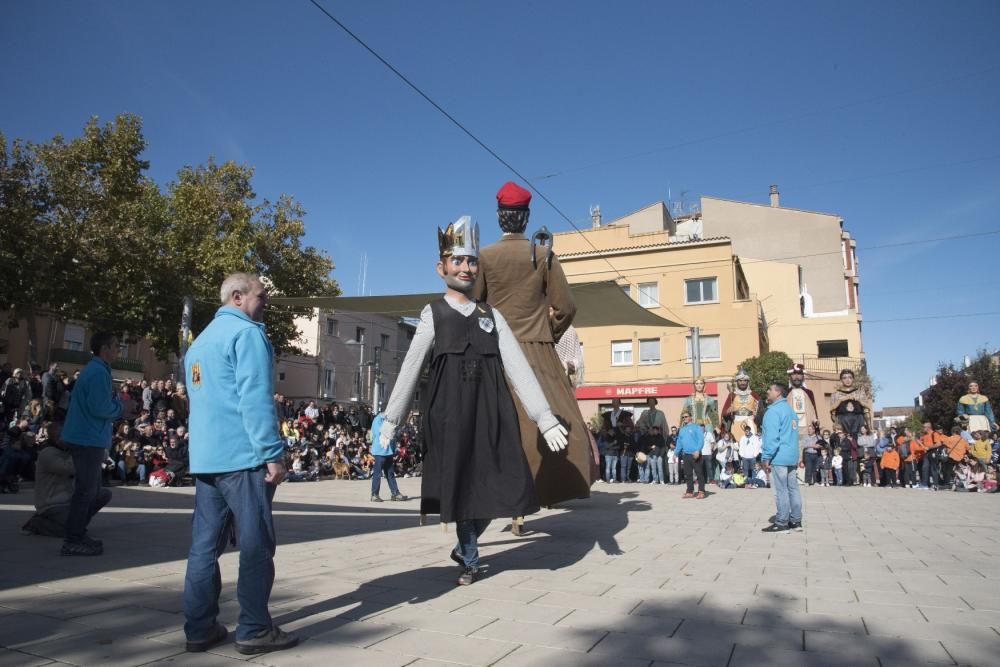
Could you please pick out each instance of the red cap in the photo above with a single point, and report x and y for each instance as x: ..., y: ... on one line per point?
x: 512, y: 195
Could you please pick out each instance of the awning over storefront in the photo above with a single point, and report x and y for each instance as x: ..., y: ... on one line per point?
x: 642, y: 391
x: 597, y: 304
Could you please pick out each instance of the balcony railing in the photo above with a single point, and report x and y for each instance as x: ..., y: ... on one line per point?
x: 813, y: 362
x: 81, y: 357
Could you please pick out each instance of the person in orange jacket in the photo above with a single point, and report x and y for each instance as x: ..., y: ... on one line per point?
x: 958, y: 448
x: 890, y: 465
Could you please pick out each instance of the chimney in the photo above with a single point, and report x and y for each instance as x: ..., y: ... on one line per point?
x: 595, y: 216
x: 774, y: 196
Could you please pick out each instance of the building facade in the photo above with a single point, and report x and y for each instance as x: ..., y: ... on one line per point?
x: 753, y: 278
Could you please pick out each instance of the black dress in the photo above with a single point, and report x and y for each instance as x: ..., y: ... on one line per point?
x: 475, y: 467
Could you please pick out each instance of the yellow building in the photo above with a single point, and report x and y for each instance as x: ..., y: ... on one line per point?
x: 742, y: 305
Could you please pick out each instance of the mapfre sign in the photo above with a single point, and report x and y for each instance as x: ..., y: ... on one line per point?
x: 627, y: 391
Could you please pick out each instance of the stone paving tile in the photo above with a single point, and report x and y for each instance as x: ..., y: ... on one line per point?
x: 774, y: 657
x: 856, y: 647
x: 536, y: 634
x: 316, y: 653
x: 513, y: 611
x: 449, y: 648
x: 622, y: 623
x: 22, y: 629
x: 616, y: 647
x: 198, y: 660
x: 10, y: 658
x: 538, y: 656
x: 101, y: 648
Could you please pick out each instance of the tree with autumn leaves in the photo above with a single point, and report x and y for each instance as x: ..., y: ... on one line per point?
x: 87, y: 234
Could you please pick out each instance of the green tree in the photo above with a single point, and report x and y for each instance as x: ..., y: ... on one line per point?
x: 941, y: 399
x: 767, y: 368
x: 117, y: 252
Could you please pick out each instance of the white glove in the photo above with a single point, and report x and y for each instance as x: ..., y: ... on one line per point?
x: 386, y: 433
x: 555, y: 437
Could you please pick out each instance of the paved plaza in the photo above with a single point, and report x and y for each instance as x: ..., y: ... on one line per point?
x: 634, y: 576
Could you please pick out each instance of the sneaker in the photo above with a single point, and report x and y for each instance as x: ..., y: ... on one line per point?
x: 219, y: 635
x: 81, y: 549
x: 272, y: 639
x: 795, y: 525
x: 775, y: 528
x: 376, y: 499
x: 398, y: 497
x: 469, y: 575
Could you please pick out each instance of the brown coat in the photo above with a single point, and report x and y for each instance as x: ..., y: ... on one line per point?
x: 523, y: 294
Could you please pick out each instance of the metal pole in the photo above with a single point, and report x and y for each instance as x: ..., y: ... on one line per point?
x: 186, y: 316
x: 361, y: 370
x: 696, y: 352
x: 376, y: 394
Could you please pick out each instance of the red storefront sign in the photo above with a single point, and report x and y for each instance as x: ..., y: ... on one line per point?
x: 627, y: 391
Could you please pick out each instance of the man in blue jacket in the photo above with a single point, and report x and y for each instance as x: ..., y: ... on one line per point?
x: 383, y: 462
x: 690, y: 440
x: 93, y: 408
x: 236, y: 457
x: 780, y: 456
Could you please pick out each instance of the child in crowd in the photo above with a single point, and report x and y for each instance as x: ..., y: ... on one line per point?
x: 868, y: 467
x: 890, y: 465
x: 825, y: 467
x: 673, y: 464
x: 739, y: 480
x: 726, y: 477
x: 838, y: 467
x: 759, y: 477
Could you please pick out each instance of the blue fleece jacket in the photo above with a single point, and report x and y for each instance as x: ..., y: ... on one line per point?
x: 690, y: 439
x: 93, y: 407
x: 229, y: 374
x: 781, y: 435
x: 377, y: 448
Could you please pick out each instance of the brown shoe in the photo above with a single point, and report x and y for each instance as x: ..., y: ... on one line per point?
x: 700, y: 496
x: 688, y: 495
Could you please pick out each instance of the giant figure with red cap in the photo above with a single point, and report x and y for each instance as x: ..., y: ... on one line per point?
x: 526, y: 282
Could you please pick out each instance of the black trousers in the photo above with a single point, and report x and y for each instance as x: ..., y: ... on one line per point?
x: 850, y: 471
x: 890, y: 476
x: 692, y: 469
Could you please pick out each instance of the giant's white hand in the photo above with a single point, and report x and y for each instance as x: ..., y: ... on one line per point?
x: 555, y: 438
x: 386, y: 433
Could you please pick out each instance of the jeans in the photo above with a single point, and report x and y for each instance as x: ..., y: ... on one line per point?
x: 611, y: 462
x: 469, y: 531
x: 673, y: 468
x: 909, y: 473
x: 838, y: 476
x: 786, y: 495
x: 644, y: 472
x: 747, y: 465
x: 811, y: 460
x: 711, y: 472
x: 87, y: 462
x: 656, y: 469
x: 383, y: 466
x: 692, y: 469
x: 625, y: 467
x: 139, y: 469
x: 930, y: 471
x: 824, y: 476
x: 220, y: 499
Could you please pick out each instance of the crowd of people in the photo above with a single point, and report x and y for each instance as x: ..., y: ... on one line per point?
x: 638, y: 451
x: 150, y: 442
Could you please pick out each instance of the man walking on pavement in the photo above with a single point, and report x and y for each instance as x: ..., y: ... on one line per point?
x: 93, y: 408
x: 780, y: 456
x: 690, y: 440
x: 237, y: 461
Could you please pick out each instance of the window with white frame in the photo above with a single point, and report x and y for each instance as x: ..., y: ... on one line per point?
x: 621, y: 353
x: 710, y: 346
x: 329, y: 377
x: 701, y: 290
x: 649, y: 351
x: 649, y: 295
x: 73, y: 337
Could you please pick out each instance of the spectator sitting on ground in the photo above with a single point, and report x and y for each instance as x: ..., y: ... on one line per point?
x: 54, y: 488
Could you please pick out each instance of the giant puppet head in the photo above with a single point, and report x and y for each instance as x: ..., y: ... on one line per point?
x: 459, y: 250
x: 513, y: 211
x: 847, y: 378
x: 742, y: 381
x: 797, y: 375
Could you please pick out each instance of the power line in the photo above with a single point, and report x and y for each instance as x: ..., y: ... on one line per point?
x: 470, y: 134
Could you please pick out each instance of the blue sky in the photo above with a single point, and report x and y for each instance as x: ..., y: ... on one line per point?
x: 884, y: 113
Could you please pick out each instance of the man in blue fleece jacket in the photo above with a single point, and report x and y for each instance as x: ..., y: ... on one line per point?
x: 690, y: 441
x: 93, y: 408
x: 237, y: 459
x: 780, y: 455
